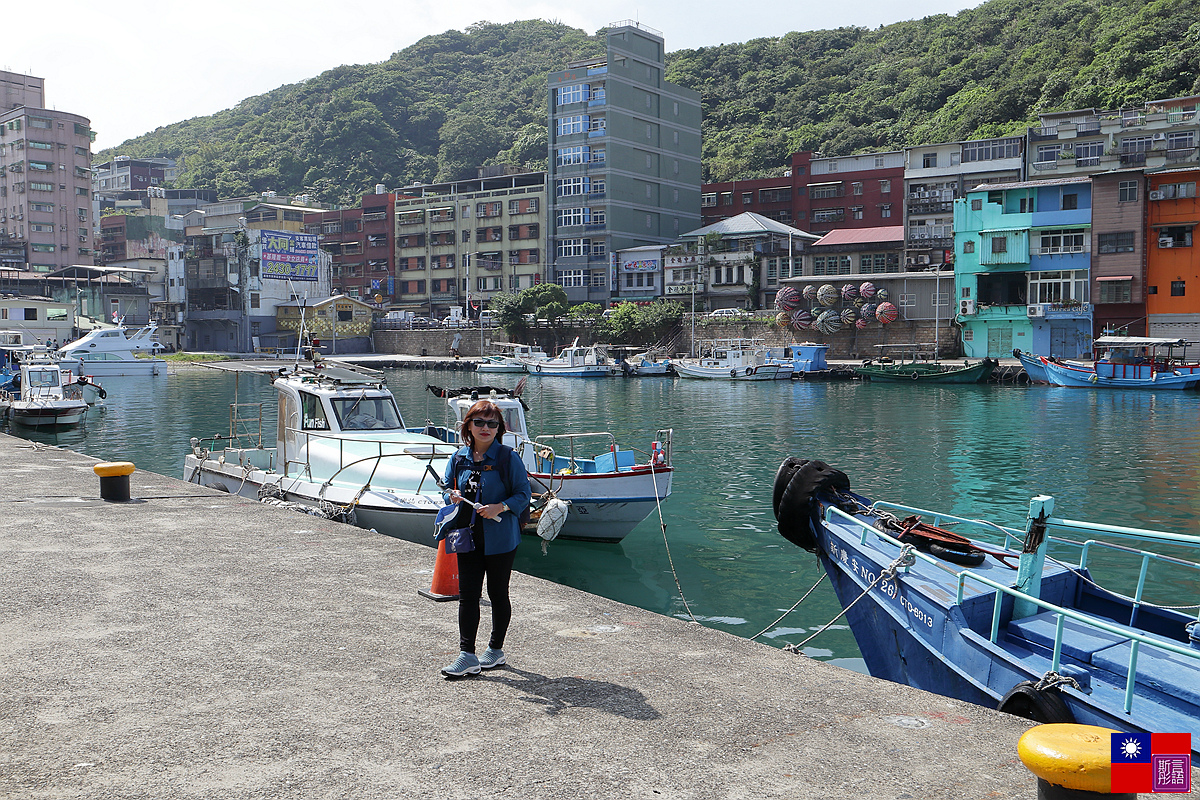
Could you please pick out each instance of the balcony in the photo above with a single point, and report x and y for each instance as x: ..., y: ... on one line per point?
x: 1181, y: 154
x: 1136, y: 159
x: 1043, y: 134
x: 1045, y: 166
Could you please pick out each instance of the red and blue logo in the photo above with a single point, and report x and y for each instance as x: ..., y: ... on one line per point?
x: 1151, y: 762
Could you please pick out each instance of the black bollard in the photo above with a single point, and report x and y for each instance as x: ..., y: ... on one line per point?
x: 114, y: 480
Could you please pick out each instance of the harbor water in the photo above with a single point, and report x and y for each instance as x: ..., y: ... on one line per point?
x: 1121, y: 457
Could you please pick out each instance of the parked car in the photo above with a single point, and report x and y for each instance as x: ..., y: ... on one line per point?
x: 421, y: 322
x: 727, y: 312
x: 455, y: 322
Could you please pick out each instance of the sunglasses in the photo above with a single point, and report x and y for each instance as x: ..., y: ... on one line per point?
x: 485, y: 423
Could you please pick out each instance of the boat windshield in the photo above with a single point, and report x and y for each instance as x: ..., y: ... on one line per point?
x: 367, y: 413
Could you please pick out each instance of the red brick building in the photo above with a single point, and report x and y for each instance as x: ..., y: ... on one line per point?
x: 817, y: 194
x: 362, y: 243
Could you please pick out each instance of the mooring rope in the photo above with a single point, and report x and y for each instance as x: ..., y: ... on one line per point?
x: 670, y: 561
x: 790, y: 610
x: 906, y: 558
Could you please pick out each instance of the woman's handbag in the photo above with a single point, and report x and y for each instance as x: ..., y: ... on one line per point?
x: 449, y: 525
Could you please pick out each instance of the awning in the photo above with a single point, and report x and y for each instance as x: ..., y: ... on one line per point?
x: 1176, y: 225
x: 1116, y: 278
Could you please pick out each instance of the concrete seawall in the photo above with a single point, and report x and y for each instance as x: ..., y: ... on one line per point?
x: 190, y: 644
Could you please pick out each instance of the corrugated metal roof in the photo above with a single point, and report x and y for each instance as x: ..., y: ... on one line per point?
x: 1000, y: 187
x: 749, y: 224
x: 889, y: 233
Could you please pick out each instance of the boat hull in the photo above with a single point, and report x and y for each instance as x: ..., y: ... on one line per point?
x: 1061, y: 375
x: 548, y: 370
x: 123, y: 368
x: 1033, y: 367
x: 53, y: 414
x: 925, y: 373
x: 765, y: 372
x: 603, y: 507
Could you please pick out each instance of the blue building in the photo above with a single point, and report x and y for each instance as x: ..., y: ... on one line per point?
x: 1022, y: 255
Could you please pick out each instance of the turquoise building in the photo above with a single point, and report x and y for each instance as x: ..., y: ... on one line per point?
x: 1022, y: 255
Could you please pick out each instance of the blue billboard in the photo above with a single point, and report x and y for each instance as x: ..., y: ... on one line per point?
x: 288, y: 255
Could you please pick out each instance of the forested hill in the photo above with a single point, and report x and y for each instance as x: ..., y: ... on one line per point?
x: 450, y: 102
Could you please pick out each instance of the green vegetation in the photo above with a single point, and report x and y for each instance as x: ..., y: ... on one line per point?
x: 631, y: 323
x: 438, y: 109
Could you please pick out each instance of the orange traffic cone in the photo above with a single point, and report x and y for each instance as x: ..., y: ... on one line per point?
x: 445, y: 576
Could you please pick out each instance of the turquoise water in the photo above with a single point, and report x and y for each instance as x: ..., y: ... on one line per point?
x: 1126, y: 458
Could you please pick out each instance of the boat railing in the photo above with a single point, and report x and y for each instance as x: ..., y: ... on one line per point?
x: 240, y: 425
x: 406, y: 450
x: 545, y: 451
x: 1062, y: 614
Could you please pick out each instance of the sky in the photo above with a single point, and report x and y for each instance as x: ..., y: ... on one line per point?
x: 131, y: 65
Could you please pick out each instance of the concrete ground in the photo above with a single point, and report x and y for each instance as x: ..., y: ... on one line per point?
x: 190, y: 644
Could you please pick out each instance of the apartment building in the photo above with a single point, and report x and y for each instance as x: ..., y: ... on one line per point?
x: 362, y: 245
x: 468, y: 240
x: 1172, y: 257
x: 1022, y: 261
x: 45, y: 180
x: 624, y: 160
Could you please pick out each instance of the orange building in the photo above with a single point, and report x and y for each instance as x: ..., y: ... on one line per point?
x: 1172, y: 255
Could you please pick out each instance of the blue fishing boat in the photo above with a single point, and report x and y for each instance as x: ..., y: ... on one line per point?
x: 1129, y: 362
x: 1030, y: 620
x: 1033, y: 366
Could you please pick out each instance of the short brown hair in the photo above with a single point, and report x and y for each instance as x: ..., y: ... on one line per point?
x: 483, y: 409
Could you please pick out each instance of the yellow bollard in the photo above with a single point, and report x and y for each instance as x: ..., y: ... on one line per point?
x: 1071, y: 762
x: 114, y: 480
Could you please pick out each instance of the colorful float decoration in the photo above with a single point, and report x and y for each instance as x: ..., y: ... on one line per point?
x: 802, y: 320
x: 827, y: 295
x: 829, y: 322
x: 787, y: 299
x: 848, y: 316
x: 783, y: 319
x: 887, y: 313
x: 860, y: 323
x: 867, y: 289
x: 810, y: 293
x: 881, y: 294
x: 868, y: 311
x: 849, y: 292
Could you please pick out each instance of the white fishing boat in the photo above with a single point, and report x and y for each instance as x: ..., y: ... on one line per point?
x: 112, y: 352
x: 43, y: 401
x: 512, y: 358
x: 342, y: 450
x: 576, y: 361
x: 728, y: 360
x: 609, y: 489
x: 647, y: 364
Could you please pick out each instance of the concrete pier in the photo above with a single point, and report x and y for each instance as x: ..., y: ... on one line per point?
x: 191, y: 644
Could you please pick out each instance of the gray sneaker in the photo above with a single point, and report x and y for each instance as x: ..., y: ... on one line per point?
x: 465, y: 664
x: 491, y: 658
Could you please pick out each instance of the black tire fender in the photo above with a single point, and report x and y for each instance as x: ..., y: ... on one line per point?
x: 783, y: 476
x: 1040, y: 705
x: 537, y: 367
x: 749, y: 371
x: 733, y: 373
x: 968, y: 559
x: 916, y: 376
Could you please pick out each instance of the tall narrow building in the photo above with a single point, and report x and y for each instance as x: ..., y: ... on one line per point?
x: 624, y: 160
x: 45, y: 180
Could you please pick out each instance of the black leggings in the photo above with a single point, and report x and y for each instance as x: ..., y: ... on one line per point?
x: 472, y: 567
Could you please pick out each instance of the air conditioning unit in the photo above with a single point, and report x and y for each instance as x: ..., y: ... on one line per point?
x: 1036, y: 311
x: 1157, y: 195
x: 966, y: 307
x: 1166, y: 242
x: 1158, y: 137
x: 923, y: 259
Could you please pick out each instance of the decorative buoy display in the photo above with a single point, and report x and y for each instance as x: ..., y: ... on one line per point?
x: 787, y: 299
x: 783, y: 319
x: 881, y: 294
x: 848, y: 316
x: 849, y: 291
x: 114, y: 480
x: 810, y: 293
x: 868, y: 311
x: 867, y: 289
x: 829, y: 322
x: 827, y: 295
x: 887, y: 313
x: 801, y: 319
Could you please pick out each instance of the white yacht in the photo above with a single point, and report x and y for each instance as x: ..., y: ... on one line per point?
x: 111, y: 352
x: 728, y: 360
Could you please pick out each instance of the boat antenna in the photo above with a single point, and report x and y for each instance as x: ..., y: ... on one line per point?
x: 300, y: 333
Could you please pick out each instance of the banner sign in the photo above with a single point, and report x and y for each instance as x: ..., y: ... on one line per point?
x: 645, y: 265
x: 289, y: 255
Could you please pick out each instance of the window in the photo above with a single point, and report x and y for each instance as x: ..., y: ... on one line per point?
x: 568, y: 248
x: 726, y: 198
x: 597, y: 124
x: 565, y: 187
x: 41, y: 206
x: 747, y: 198
x: 1048, y: 152
x: 1065, y: 241
x: 1000, y: 244
x: 599, y: 280
x: 39, y: 122
x: 856, y: 212
x: 991, y: 149
x: 1175, y: 236
x: 571, y: 277
x: 43, y: 248
x: 1181, y: 140
x: 774, y: 195
x: 576, y: 93
x: 598, y: 156
x: 977, y: 205
x: 1116, y: 291
x: 571, y: 155
x: 37, y: 186
x: 829, y: 190
x: 929, y: 160
x: 1087, y: 154
x: 968, y: 247
x: 1058, y: 286
x: 574, y: 124
x: 1171, y: 191
x: 1177, y: 288
x: 1119, y: 242
x: 254, y: 300
x: 597, y: 187
x: 1136, y: 144
x: 39, y: 145
x: 1070, y: 202
x: 885, y: 186
x: 572, y: 216
x: 828, y: 215
x: 598, y: 249
x: 81, y: 190
x: 856, y: 187
x: 885, y: 210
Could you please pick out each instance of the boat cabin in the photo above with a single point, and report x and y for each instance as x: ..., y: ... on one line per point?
x: 733, y: 353
x: 336, y: 401
x: 1140, y: 357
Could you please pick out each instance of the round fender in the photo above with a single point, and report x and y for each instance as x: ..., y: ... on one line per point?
x: 796, y: 512
x: 971, y: 559
x: 733, y: 373
x: 537, y: 367
x: 1039, y: 705
x: 749, y: 371
x: 783, y: 476
x: 916, y: 376
x: 102, y: 394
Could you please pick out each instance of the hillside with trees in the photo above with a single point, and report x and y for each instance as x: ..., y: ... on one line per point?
x: 450, y: 102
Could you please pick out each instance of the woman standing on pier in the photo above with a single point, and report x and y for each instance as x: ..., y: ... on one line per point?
x: 489, y: 472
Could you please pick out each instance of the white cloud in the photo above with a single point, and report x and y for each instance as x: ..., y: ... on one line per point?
x: 137, y: 65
